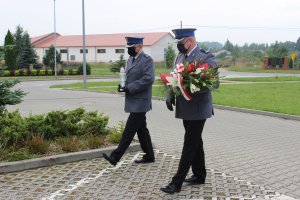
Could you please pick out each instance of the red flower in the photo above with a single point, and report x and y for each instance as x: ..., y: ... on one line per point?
x: 190, y: 68
x: 203, y: 66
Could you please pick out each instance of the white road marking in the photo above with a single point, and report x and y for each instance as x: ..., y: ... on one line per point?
x: 73, y: 187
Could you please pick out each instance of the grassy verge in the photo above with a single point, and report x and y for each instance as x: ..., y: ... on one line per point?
x: 259, y: 69
x: 279, y: 97
x: 275, y: 97
x: 266, y: 79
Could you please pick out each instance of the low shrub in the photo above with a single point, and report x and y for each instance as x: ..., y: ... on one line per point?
x: 115, y: 134
x: 37, y: 144
x: 23, y: 72
x: 94, y: 123
x: 71, y: 144
x: 32, y: 72
x: 6, y: 73
x: 42, y: 72
x: 3, y: 151
x: 17, y: 73
x: 94, y: 141
x: 21, y: 154
x: 13, y: 129
x: 80, y: 69
x: 36, y: 133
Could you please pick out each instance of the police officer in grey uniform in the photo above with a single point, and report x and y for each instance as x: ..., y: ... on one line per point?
x: 193, y: 113
x: 138, y: 94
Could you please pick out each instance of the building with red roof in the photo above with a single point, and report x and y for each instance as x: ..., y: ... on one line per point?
x: 101, y: 47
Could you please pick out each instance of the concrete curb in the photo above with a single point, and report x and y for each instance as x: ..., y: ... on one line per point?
x: 59, y: 159
x: 258, y: 112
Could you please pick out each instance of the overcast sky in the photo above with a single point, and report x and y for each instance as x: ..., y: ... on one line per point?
x: 240, y: 21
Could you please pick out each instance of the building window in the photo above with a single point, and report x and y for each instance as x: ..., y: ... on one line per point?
x: 64, y: 51
x: 120, y: 50
x: 46, y: 51
x: 101, y: 50
x: 72, y: 57
x: 86, y: 51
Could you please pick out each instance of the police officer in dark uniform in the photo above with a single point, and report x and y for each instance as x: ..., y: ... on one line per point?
x: 138, y: 94
x: 193, y: 113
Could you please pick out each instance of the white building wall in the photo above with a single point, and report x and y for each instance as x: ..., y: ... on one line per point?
x: 156, y: 52
x: 40, y: 54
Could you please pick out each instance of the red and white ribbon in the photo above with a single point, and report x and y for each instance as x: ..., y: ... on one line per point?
x: 184, y: 92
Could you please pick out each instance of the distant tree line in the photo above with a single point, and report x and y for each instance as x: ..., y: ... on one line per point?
x: 252, y: 54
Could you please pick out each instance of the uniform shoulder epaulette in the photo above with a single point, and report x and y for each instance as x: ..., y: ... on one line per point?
x: 146, y: 55
x: 204, y: 51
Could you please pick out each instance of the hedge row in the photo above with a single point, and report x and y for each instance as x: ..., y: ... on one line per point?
x: 15, y: 128
x: 38, y: 72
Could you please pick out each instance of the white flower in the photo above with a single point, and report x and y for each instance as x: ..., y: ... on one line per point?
x: 198, y: 71
x: 172, y: 80
x: 194, y: 88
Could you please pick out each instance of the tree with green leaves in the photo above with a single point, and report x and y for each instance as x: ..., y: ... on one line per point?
x: 27, y: 54
x: 9, y: 51
x: 48, y: 59
x: 116, y: 66
x: 280, y: 50
x: 228, y: 46
x: 170, y: 56
x: 8, y: 97
x: 236, y: 52
x: 203, y: 46
x: 298, y: 44
x: 19, y: 43
x: 1, y: 53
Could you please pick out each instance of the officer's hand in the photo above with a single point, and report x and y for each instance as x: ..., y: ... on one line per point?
x: 123, y: 89
x: 170, y: 100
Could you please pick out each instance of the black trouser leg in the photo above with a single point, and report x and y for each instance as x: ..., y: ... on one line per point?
x: 192, y: 143
x: 133, y: 124
x: 145, y: 140
x: 198, y: 163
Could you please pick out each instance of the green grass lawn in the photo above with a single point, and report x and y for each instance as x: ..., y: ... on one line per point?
x: 266, y: 79
x: 259, y: 69
x: 103, y: 69
x: 279, y: 97
x: 275, y: 97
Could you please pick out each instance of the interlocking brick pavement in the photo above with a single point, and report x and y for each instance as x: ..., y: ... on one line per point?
x: 95, y: 179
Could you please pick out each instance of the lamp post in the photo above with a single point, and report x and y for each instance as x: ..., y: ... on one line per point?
x: 83, y: 46
x: 55, y: 42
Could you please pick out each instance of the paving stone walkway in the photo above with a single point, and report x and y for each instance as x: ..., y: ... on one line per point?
x: 96, y: 179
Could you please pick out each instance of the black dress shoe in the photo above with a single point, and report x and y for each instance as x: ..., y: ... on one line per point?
x: 171, y: 188
x: 193, y: 180
x: 109, y: 159
x: 143, y: 160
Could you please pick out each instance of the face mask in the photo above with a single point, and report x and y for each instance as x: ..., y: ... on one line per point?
x: 131, y: 51
x: 181, y: 48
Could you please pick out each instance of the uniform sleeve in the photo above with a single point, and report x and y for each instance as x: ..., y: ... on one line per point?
x: 146, y: 80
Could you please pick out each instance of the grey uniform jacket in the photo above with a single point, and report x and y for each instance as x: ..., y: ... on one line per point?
x: 139, y: 79
x: 200, y: 106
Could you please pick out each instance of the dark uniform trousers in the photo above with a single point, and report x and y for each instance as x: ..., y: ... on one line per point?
x: 192, y: 152
x: 136, y: 123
